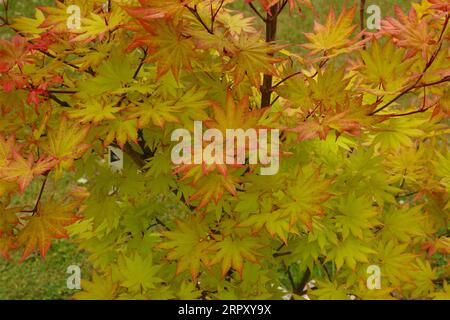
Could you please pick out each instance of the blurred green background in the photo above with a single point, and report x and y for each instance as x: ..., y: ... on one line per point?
x: 46, y: 279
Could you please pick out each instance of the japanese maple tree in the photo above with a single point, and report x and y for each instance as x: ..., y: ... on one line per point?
x: 364, y: 172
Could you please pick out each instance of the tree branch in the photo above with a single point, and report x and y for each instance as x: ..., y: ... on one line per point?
x: 59, y: 101
x: 141, y: 63
x: 362, y: 7
x: 257, y: 12
x: 134, y: 155
x: 195, y: 13
x: 420, y: 110
x: 214, y: 15
x: 41, y: 192
x: 271, y: 35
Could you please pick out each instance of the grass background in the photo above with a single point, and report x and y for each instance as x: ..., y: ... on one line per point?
x: 46, y: 279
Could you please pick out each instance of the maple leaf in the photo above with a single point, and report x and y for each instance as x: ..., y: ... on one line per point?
x: 350, y: 251
x: 232, y: 252
x: 28, y: 25
x: 235, y: 114
x: 276, y: 223
x: 237, y: 23
x: 188, y: 245
x: 305, y: 196
x: 113, y: 76
x: 396, y: 262
x: 14, y: 53
x: 424, y: 279
x: 334, y: 36
x: 190, y: 105
x: 56, y: 17
x: 138, y: 272
x: 66, y: 143
x: 95, y: 111
x: 23, y: 170
x: 99, y: 25
x: 397, y: 132
x: 385, y: 67
x: 251, y: 57
x: 441, y: 5
x: 402, y: 223
x: 121, y: 131
x: 327, y: 290
x: 409, y: 31
x: 356, y: 216
x: 100, y: 288
x: 212, y: 186
x: 155, y: 9
x: 170, y: 49
x: 145, y: 13
x: 47, y: 224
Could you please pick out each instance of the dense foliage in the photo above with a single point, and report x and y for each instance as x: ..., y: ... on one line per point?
x: 364, y: 175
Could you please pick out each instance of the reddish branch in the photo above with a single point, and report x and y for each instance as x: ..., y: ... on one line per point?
x: 41, y: 192
x: 361, y: 14
x: 271, y: 35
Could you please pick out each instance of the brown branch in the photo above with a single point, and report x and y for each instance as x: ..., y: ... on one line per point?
x: 6, y: 8
x: 321, y: 65
x: 214, y: 15
x: 141, y: 63
x: 162, y: 224
x: 41, y: 192
x: 257, y: 12
x: 195, y: 13
x: 271, y: 35
x: 420, y: 110
x: 62, y: 91
x: 286, y: 79
x: 48, y: 54
x: 362, y: 19
x: 445, y: 79
x: 59, y: 101
x: 134, y: 155
x: 285, y: 2
x: 361, y: 14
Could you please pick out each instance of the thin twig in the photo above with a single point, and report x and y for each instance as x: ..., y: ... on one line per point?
x: 141, y: 63
x: 257, y: 12
x: 195, y: 13
x: 59, y: 101
x: 54, y: 91
x: 420, y: 110
x: 286, y: 79
x: 282, y: 6
x: 214, y: 15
